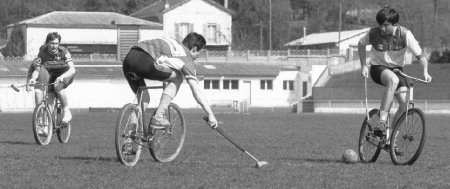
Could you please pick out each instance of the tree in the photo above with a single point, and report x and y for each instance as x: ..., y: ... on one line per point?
x: 16, y: 44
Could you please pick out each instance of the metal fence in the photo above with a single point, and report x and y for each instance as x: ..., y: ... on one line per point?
x: 249, y: 55
x: 359, y: 106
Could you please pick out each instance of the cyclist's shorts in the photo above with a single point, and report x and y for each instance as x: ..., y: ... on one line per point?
x: 375, y: 74
x: 53, y: 77
x: 139, y: 63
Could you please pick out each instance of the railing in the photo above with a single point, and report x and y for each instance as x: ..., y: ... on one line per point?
x: 359, y: 106
x: 249, y: 55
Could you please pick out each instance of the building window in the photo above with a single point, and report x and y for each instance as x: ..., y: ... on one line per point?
x: 230, y: 84
x: 266, y: 85
x: 288, y: 85
x: 211, y: 84
x: 182, y: 29
x: 212, y: 33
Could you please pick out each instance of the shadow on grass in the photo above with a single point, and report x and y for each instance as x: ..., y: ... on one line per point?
x: 17, y: 143
x: 314, y: 160
x: 104, y: 159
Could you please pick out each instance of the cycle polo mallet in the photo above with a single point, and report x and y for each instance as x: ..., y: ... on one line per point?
x: 365, y: 91
x: 218, y: 129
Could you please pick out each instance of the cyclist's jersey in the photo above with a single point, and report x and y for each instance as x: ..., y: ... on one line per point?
x: 390, y: 51
x: 172, y: 49
x: 55, y: 63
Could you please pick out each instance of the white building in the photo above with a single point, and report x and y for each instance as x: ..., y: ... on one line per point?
x: 257, y: 84
x: 180, y: 17
x: 86, y: 32
x: 342, y: 40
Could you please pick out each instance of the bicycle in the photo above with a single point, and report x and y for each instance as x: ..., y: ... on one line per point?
x: 46, y: 117
x: 408, y: 135
x: 164, y: 143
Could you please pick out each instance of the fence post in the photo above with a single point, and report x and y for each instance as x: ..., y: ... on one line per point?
x: 268, y: 55
x: 248, y: 54
x: 206, y: 55
x: 90, y: 57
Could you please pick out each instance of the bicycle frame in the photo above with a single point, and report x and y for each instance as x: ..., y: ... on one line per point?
x: 410, y: 92
x: 45, y: 101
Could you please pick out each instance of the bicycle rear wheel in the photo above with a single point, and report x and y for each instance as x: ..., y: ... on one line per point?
x: 167, y: 143
x: 42, y: 125
x: 408, y: 137
x: 369, y: 145
x: 62, y: 130
x: 129, y: 134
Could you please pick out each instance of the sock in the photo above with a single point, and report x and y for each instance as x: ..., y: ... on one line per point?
x: 383, y: 115
x: 163, y: 104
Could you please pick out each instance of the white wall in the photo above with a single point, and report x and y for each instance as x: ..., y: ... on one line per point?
x: 36, y: 37
x: 147, y: 34
x: 198, y: 13
x: 115, y: 92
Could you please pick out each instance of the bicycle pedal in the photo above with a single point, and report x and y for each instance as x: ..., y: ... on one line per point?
x: 158, y: 127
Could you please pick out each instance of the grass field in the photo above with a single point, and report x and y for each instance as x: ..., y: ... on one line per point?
x: 303, y: 151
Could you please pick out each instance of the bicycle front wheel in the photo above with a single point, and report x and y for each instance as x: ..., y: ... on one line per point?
x: 62, y: 130
x: 369, y: 145
x: 167, y: 143
x: 129, y: 135
x: 42, y: 124
x: 408, y: 137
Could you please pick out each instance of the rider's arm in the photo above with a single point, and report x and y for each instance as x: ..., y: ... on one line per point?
x: 201, y: 99
x: 70, y: 72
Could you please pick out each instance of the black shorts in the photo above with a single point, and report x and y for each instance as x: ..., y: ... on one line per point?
x: 375, y: 74
x: 52, y: 79
x: 139, y: 65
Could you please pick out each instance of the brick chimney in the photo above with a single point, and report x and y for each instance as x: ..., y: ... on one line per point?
x: 225, y: 3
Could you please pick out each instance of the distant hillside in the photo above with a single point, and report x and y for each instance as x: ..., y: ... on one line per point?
x: 350, y: 86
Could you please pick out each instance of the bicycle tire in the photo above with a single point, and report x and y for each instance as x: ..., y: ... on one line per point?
x: 62, y: 130
x: 407, y: 134
x: 128, y: 139
x: 368, y: 148
x: 41, y: 118
x: 162, y: 147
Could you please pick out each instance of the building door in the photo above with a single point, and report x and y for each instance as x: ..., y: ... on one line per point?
x: 127, y: 36
x: 247, y: 92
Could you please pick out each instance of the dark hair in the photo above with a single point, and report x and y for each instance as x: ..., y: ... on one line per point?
x: 194, y: 40
x: 52, y: 36
x: 387, y: 14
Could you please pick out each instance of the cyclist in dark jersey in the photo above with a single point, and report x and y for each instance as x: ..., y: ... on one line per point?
x: 165, y: 59
x: 58, y: 62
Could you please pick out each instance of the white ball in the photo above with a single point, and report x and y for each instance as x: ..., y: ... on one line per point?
x: 350, y: 156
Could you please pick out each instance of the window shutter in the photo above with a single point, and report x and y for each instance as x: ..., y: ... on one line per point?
x: 219, y: 34
x: 191, y: 27
x: 177, y: 31
x: 205, y: 31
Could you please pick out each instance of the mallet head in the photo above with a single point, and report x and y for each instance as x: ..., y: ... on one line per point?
x: 260, y: 164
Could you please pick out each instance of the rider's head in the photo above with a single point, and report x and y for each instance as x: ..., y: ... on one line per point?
x: 194, y: 42
x: 387, y: 18
x: 52, y: 41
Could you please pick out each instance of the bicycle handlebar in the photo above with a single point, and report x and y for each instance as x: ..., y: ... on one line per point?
x: 410, y: 77
x: 16, y: 87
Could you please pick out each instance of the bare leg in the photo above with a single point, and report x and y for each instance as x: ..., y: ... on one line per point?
x: 390, y: 81
x: 62, y: 96
x: 174, y: 83
x: 38, y: 96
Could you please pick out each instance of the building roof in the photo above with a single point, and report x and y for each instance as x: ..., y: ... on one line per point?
x: 75, y: 19
x: 238, y: 69
x: 326, y: 37
x: 114, y: 69
x: 158, y: 8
